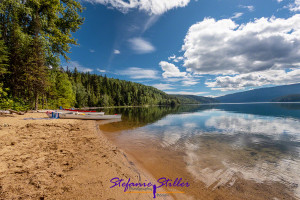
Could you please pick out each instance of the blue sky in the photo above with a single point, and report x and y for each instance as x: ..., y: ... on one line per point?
x: 207, y: 48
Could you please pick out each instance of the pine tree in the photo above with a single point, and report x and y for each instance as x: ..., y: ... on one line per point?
x: 65, y: 94
x: 3, y: 57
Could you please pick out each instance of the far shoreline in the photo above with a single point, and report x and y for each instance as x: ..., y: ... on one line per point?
x: 199, y: 104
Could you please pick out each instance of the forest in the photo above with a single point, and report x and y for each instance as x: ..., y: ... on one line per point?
x: 34, y: 36
x: 192, y: 99
x: 95, y: 90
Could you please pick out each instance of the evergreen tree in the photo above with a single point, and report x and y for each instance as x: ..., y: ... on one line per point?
x: 65, y: 94
x: 3, y: 57
x: 81, y: 95
x: 3, y: 64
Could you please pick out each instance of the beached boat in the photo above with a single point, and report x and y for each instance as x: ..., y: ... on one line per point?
x: 84, y: 111
x: 90, y: 112
x: 49, y: 113
x: 88, y: 116
x: 87, y: 113
x: 78, y: 115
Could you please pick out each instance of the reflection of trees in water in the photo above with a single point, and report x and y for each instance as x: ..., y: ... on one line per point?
x: 289, y: 106
x: 141, y: 116
x: 153, y: 113
x: 264, y: 109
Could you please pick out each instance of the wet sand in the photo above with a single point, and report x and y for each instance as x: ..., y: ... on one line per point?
x: 61, y: 159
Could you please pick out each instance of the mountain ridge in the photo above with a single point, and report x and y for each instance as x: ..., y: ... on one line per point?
x: 193, y: 99
x: 267, y: 94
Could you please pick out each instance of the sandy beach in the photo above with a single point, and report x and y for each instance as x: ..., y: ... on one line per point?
x: 61, y: 159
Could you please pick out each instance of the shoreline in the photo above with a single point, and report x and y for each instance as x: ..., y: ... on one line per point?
x: 199, y: 104
x: 62, y: 159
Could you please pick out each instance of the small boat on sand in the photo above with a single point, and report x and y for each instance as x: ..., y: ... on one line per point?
x: 92, y: 112
x: 84, y: 111
x: 49, y: 113
x: 82, y: 115
x: 88, y: 116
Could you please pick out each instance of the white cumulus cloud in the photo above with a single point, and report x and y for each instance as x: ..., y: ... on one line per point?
x: 295, y: 7
x: 255, y: 79
x: 116, y: 51
x: 141, y: 46
x: 139, y: 73
x: 170, y: 70
x: 224, y: 47
x: 152, y: 7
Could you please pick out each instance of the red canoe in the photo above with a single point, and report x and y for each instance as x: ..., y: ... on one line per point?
x: 80, y: 110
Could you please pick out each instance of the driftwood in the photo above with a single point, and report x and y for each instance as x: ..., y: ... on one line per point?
x: 16, y: 112
x: 4, y: 112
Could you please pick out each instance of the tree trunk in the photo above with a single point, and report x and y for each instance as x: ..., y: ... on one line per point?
x: 36, y: 101
x: 43, y: 101
x: 38, y: 86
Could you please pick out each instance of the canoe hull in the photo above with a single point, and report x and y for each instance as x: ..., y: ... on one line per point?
x: 49, y: 113
x: 89, y: 117
x: 93, y: 116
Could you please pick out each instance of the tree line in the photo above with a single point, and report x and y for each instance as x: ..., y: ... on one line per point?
x: 94, y: 90
x: 34, y: 35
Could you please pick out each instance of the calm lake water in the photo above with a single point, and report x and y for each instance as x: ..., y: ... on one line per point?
x: 229, y: 151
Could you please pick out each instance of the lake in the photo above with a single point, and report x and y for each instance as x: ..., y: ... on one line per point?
x: 225, y: 151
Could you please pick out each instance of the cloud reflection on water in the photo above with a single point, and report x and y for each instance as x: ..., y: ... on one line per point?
x: 218, y: 145
x: 274, y: 127
x: 222, y: 146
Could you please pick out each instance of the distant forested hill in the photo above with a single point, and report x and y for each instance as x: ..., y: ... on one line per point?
x: 260, y: 95
x: 288, y: 98
x: 192, y: 99
x: 95, y: 90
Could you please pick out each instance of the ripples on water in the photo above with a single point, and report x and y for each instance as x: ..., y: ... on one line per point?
x: 217, y: 145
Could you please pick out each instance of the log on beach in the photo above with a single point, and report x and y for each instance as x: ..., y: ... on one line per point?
x: 16, y: 112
